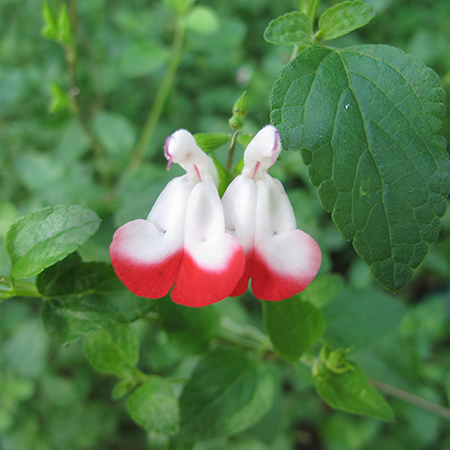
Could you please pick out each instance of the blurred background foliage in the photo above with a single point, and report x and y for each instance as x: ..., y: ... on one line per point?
x: 50, y: 398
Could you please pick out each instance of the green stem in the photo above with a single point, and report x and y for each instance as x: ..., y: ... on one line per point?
x: 10, y: 287
x: 310, y: 7
x: 231, y: 150
x: 161, y: 97
x: 412, y: 399
x: 100, y: 162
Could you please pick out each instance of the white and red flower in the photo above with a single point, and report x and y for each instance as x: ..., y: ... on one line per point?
x: 183, y: 242
x: 280, y: 259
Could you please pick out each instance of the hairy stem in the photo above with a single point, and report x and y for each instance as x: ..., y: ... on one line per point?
x: 411, y: 398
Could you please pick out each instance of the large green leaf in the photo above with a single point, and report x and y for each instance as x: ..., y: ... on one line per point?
x: 293, y: 326
x: 228, y: 391
x: 359, y: 317
x: 344, y: 18
x: 351, y: 391
x: 42, y: 238
x: 154, y: 406
x: 83, y: 297
x: 366, y: 119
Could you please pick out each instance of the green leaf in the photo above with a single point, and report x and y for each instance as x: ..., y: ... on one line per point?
x: 189, y: 328
x: 179, y: 7
x: 65, y: 35
x: 224, y: 176
x: 116, y: 134
x: 113, y: 348
x: 360, y: 317
x: 144, y: 58
x: 209, y: 142
x: 60, y: 100
x: 42, y: 238
x: 293, y: 326
x: 351, y: 391
x: 154, y: 406
x: 343, y: 18
x: 293, y: 28
x: 228, y: 391
x: 366, y: 119
x: 50, y: 28
x: 203, y: 20
x: 84, y: 297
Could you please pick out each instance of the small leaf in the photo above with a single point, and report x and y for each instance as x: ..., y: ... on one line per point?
x: 179, y: 7
x: 154, y: 406
x: 113, y: 348
x: 65, y: 36
x: 343, y: 18
x: 293, y: 28
x: 189, y: 328
x: 351, y: 391
x: 293, y: 326
x: 203, y: 20
x: 224, y: 176
x: 244, y: 139
x: 60, y: 100
x: 366, y: 119
x: 209, y: 142
x: 84, y: 297
x: 228, y: 391
x: 50, y: 29
x: 42, y: 238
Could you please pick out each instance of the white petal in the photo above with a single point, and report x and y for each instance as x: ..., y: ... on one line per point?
x: 239, y: 207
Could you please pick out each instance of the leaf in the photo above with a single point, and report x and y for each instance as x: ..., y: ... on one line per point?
x: 189, y: 328
x: 65, y: 36
x: 350, y: 391
x: 366, y: 119
x: 50, y: 28
x: 323, y: 289
x: 113, y: 348
x: 209, y: 142
x: 203, y: 20
x: 42, y: 238
x: 154, y: 406
x: 343, y: 18
x: 115, y: 132
x: 293, y: 28
x: 84, y: 297
x: 60, y: 100
x: 228, y: 391
x: 144, y: 58
x: 359, y: 317
x: 293, y: 326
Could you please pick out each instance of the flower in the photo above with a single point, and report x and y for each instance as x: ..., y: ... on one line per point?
x: 280, y: 259
x: 183, y: 241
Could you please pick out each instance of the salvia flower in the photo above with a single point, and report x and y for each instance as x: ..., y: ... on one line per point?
x: 183, y: 242
x: 280, y: 259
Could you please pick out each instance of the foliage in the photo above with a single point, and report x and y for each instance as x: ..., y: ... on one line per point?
x: 84, y: 111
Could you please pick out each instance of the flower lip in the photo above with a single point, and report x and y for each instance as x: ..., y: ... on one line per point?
x: 166, y: 152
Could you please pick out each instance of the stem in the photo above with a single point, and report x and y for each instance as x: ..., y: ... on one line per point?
x: 10, y: 287
x: 412, y: 399
x: 161, y: 97
x: 99, y: 159
x: 231, y: 150
x: 309, y: 7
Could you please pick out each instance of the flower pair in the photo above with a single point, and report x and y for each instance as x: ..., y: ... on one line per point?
x: 208, y: 248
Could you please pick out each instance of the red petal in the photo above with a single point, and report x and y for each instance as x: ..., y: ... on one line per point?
x: 197, y: 286
x: 145, y: 279
x: 242, y: 285
x: 270, y: 284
